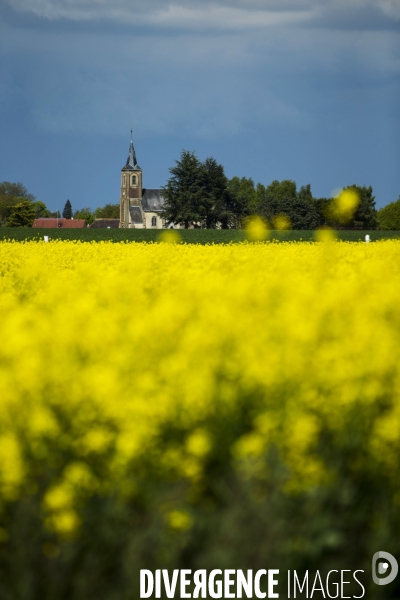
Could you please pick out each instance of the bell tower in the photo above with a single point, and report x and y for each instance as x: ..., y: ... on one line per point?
x: 131, y: 213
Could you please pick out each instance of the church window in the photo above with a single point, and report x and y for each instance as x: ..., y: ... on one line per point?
x: 124, y: 181
x: 153, y: 221
x: 133, y: 179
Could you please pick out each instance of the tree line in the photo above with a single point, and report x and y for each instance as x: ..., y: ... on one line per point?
x: 19, y: 208
x: 199, y: 193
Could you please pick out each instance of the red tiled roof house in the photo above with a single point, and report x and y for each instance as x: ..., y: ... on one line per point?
x: 57, y: 223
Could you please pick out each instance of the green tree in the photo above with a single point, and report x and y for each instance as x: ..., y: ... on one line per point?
x: 215, y: 199
x: 322, y: 207
x: 260, y: 196
x: 109, y: 211
x: 388, y: 217
x: 6, y: 206
x: 242, y: 199
x: 15, y: 190
x: 306, y: 216
x: 84, y: 213
x: 277, y: 199
x: 12, y: 194
x: 22, y: 215
x: 365, y: 216
x: 184, y: 191
x: 305, y: 194
x: 67, y: 212
x: 40, y: 209
x: 282, y: 198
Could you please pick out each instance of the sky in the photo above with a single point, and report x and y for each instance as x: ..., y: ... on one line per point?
x: 307, y: 90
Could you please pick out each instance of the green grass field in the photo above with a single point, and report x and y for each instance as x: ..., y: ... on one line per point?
x: 189, y: 236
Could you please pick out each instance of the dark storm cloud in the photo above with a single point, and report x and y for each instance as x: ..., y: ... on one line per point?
x: 219, y: 14
x: 308, y: 86
x: 207, y: 84
x: 359, y: 15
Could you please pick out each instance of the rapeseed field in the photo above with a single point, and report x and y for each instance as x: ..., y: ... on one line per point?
x: 144, y: 373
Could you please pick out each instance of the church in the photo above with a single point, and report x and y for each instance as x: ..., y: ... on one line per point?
x: 140, y: 208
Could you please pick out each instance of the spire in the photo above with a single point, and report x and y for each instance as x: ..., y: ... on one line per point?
x: 131, y: 162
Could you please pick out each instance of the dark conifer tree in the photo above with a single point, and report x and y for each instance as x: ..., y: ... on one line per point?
x: 67, y: 212
x: 184, y: 191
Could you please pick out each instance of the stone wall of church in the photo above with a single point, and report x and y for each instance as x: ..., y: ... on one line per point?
x: 131, y: 195
x: 153, y: 221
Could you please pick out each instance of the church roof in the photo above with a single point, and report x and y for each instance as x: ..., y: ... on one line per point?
x: 105, y: 223
x: 152, y: 199
x: 136, y: 215
x: 131, y: 162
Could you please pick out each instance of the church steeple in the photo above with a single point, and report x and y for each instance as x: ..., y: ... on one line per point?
x: 131, y: 213
x: 131, y: 162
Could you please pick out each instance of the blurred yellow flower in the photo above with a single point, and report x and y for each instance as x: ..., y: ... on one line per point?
x: 281, y: 222
x: 116, y: 355
x: 325, y: 234
x: 344, y: 205
x: 257, y: 229
x: 179, y: 520
x: 169, y: 236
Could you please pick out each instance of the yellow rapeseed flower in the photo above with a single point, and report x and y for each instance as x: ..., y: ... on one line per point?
x: 116, y: 355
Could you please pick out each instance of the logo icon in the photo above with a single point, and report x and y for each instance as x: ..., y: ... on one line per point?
x: 385, y: 559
